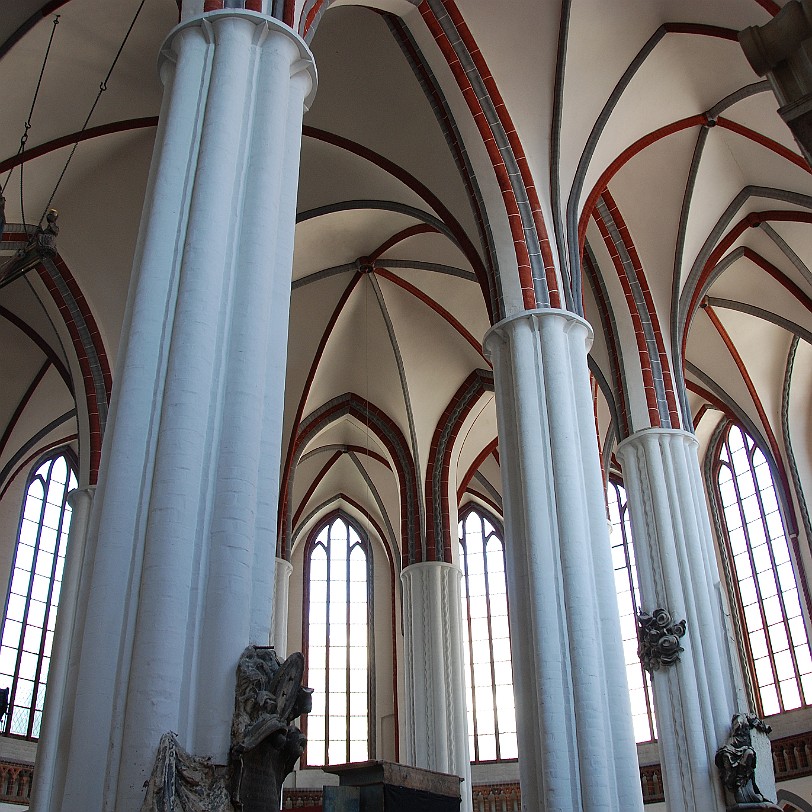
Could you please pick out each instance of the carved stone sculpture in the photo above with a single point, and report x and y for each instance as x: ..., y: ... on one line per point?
x: 184, y: 783
x: 265, y: 745
x: 736, y: 760
x: 41, y: 245
x: 780, y: 50
x: 658, y: 639
x: 46, y: 237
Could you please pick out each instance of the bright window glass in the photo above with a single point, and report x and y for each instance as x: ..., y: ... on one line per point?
x: 767, y: 590
x: 486, y: 638
x: 33, y: 594
x: 338, y: 628
x: 628, y: 600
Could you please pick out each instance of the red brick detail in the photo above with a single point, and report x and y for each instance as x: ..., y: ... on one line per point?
x: 626, y: 236
x: 480, y: 120
x: 639, y: 336
x: 212, y: 5
x: 750, y: 221
x: 367, y: 414
x: 84, y: 363
x: 311, y: 15
x: 614, y: 355
x: 289, y: 13
x: 447, y: 431
x: 622, y: 159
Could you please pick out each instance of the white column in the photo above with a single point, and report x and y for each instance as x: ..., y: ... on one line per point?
x: 576, y: 744
x: 279, y: 623
x: 436, y: 720
x: 696, y: 697
x: 51, y: 752
x: 183, y: 574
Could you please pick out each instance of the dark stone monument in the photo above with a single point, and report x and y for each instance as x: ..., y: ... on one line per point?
x: 387, y: 787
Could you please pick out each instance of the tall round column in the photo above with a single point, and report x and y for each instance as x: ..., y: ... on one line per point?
x: 51, y: 753
x: 279, y: 624
x: 436, y: 721
x: 185, y: 542
x: 694, y: 698
x: 576, y: 745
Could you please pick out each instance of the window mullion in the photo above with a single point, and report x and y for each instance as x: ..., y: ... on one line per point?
x: 24, y: 622
x: 470, y: 641
x: 347, y: 716
x: 490, y: 635
x: 751, y: 559
x: 48, y: 610
x: 779, y: 591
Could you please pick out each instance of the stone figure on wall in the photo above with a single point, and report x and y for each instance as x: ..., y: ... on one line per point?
x: 46, y: 237
x: 736, y: 760
x: 265, y: 745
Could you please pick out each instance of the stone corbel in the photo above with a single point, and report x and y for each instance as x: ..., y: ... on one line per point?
x: 781, y: 50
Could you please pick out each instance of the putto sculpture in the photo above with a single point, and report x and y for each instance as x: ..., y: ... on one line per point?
x: 265, y: 745
x: 658, y: 639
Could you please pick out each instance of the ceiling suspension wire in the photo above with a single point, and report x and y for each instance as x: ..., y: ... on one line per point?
x: 102, y: 88
x: 27, y: 125
x: 366, y: 372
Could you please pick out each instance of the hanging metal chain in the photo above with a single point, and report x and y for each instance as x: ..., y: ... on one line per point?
x: 102, y: 88
x: 27, y: 125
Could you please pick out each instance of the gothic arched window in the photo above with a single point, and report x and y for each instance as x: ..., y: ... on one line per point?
x: 628, y: 600
x: 763, y: 579
x: 33, y: 593
x: 486, y: 640
x: 338, y: 642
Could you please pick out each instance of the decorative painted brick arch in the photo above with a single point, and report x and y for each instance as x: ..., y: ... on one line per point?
x: 382, y: 427
x: 438, y: 471
x: 655, y: 367
x: 538, y: 278
x: 87, y: 345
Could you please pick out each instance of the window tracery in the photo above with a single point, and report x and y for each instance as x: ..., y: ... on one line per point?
x: 338, y: 642
x: 486, y: 640
x: 628, y: 599
x: 763, y: 578
x: 33, y: 594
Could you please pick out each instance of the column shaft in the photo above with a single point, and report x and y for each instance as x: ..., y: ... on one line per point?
x: 183, y: 519
x: 436, y: 721
x: 279, y: 625
x: 696, y: 697
x: 57, y: 715
x: 576, y: 746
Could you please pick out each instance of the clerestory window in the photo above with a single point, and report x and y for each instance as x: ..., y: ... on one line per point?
x: 33, y: 594
x: 764, y: 582
x: 338, y: 643
x: 628, y: 600
x: 486, y: 640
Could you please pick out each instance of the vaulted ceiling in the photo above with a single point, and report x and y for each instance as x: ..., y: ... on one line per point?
x: 665, y: 176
